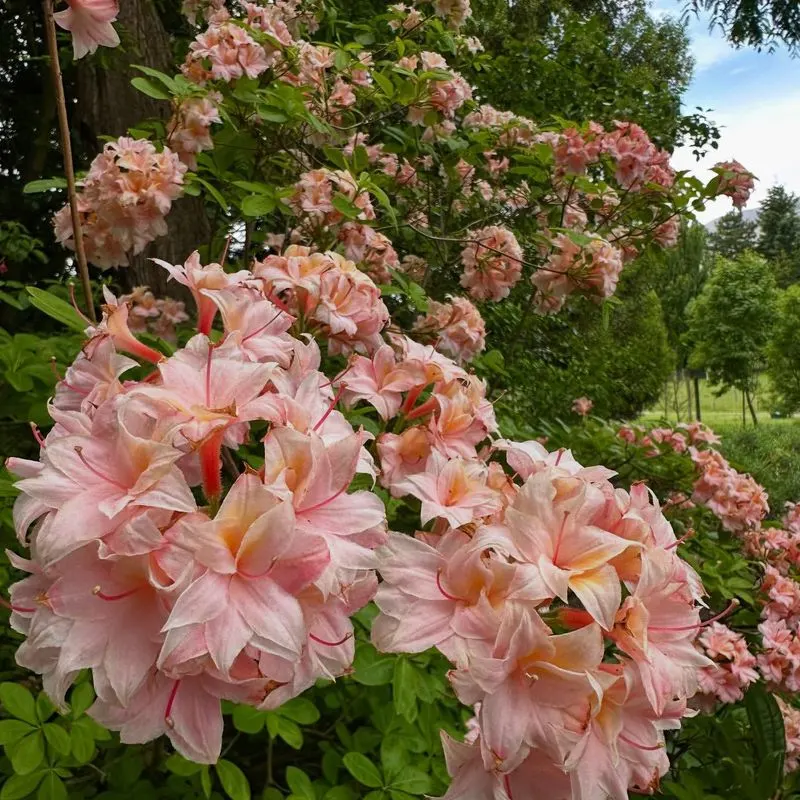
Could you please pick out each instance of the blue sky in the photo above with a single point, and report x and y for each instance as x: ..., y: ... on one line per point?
x: 755, y: 99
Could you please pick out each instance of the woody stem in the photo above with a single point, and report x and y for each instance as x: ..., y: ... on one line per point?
x: 66, y: 150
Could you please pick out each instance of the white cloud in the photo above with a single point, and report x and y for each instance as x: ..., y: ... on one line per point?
x: 709, y: 49
x: 759, y: 134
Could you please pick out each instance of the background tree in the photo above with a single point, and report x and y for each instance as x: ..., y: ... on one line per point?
x: 779, y: 234
x: 733, y: 234
x: 757, y: 24
x: 730, y: 322
x: 783, y: 351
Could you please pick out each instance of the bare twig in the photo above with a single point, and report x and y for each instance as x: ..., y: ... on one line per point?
x: 66, y: 150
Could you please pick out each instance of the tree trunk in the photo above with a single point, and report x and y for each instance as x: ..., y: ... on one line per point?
x: 697, y: 397
x: 751, y: 407
x: 109, y: 105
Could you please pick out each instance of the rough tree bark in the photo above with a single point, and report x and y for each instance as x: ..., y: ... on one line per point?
x: 109, y: 105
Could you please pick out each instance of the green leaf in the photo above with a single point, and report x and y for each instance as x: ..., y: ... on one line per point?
x: 258, y: 205
x: 271, y: 793
x: 372, y: 668
x: 147, y: 87
x: 363, y: 770
x: 81, y: 698
x: 52, y: 788
x: 412, y: 780
x: 159, y: 76
x: 404, y: 689
x: 19, y: 786
x: 345, y: 206
x: 44, y: 708
x: 82, y: 743
x: 213, y: 191
x: 769, y: 737
x: 12, y: 730
x: 336, y: 157
x: 248, y: 719
x: 18, y: 702
x: 44, y: 185
x: 205, y: 781
x: 300, y: 710
x: 178, y: 765
x: 339, y: 793
x: 233, y: 780
x: 27, y: 753
x: 57, y: 738
x: 299, y: 783
x: 56, y: 308
x: 290, y: 733
x: 385, y: 83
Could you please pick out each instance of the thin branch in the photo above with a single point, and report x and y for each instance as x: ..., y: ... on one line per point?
x: 66, y: 150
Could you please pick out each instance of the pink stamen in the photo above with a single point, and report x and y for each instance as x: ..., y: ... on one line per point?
x: 429, y: 405
x: 732, y: 606
x: 441, y: 588
x: 262, y: 328
x: 111, y: 597
x: 323, y: 503
x: 79, y: 451
x: 687, y: 535
x: 75, y: 305
x: 168, y: 721
x: 638, y: 746
x: 507, y: 785
x: 330, y: 407
x: 18, y: 609
x: 337, y: 378
x: 37, y: 434
x: 558, y: 457
x: 329, y: 644
x: 560, y: 536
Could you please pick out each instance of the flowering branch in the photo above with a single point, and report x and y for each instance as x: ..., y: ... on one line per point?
x: 66, y: 149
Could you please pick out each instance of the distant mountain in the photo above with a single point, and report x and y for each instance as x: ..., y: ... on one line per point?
x: 750, y: 214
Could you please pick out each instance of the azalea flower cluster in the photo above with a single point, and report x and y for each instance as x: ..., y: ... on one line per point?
x: 676, y: 439
x: 330, y: 295
x: 791, y: 724
x: 455, y: 327
x: 737, y: 499
x: 123, y: 201
x: 158, y: 316
x: 520, y: 583
x: 492, y: 263
x: 735, y: 182
x: 156, y: 562
x: 734, y: 666
x: 189, y: 130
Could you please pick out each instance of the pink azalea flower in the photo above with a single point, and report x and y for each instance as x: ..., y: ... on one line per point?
x: 89, y: 22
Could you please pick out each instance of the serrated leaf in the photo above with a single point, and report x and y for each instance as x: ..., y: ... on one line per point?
x: 363, y: 770
x: 18, y: 702
x: 56, y: 308
x: 233, y: 780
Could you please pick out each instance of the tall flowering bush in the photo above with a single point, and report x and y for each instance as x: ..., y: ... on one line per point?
x: 208, y: 522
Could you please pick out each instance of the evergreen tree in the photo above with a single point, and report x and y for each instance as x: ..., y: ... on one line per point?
x: 733, y: 235
x: 779, y: 237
